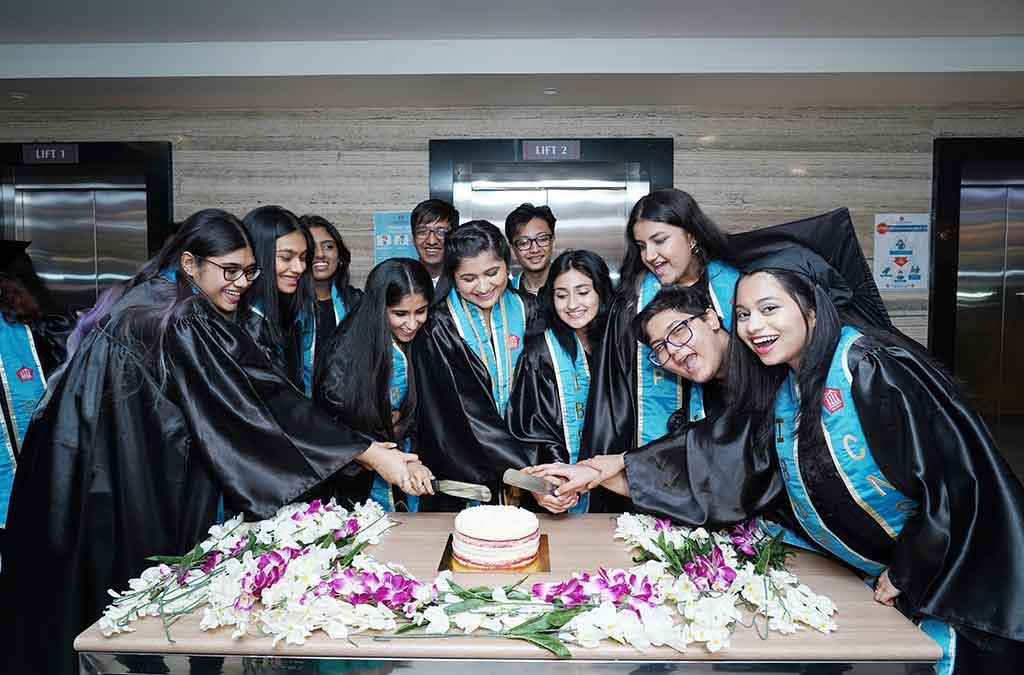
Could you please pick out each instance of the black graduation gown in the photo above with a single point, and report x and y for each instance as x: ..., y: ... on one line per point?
x: 534, y: 413
x: 117, y: 467
x: 960, y: 558
x: 460, y: 433
x: 288, y: 361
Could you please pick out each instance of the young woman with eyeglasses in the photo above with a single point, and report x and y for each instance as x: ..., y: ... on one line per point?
x: 531, y: 232
x: 548, y: 403
x: 165, y: 407
x: 464, y: 359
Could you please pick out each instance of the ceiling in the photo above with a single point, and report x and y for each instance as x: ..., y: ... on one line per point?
x: 339, y: 53
x: 74, y: 21
x: 846, y: 89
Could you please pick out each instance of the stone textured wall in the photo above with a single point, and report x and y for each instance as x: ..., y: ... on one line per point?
x: 748, y: 167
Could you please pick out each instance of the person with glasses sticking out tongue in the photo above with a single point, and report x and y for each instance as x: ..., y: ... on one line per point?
x: 531, y: 231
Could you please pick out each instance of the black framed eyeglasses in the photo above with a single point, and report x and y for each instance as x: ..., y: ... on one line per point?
x: 233, y: 272
x: 524, y: 243
x: 678, y: 335
x: 423, y: 233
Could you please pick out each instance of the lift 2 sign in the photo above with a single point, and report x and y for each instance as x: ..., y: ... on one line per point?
x: 901, y: 251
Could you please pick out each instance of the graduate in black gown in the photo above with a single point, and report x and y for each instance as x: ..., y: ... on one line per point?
x: 335, y: 295
x: 165, y: 407
x: 32, y: 344
x: 464, y: 359
x: 530, y: 231
x: 364, y: 378
x: 548, y: 404
x: 669, y: 242
x: 282, y: 309
x: 896, y: 476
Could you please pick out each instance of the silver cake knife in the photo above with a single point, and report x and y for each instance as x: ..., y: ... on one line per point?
x: 480, y: 493
x: 528, y: 482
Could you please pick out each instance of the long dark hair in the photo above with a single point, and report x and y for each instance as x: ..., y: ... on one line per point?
x: 353, y: 377
x: 284, y: 314
x: 753, y: 386
x: 470, y: 240
x: 590, y: 265
x: 341, y: 275
x: 673, y: 207
x: 208, y: 233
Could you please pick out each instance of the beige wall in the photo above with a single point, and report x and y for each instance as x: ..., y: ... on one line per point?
x: 747, y: 167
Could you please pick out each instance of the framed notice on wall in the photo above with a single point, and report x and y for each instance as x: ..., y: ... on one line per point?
x: 902, y: 251
x: 392, y: 236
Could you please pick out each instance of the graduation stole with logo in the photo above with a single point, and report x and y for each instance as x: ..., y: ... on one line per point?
x: 848, y: 449
x: 24, y: 384
x: 573, y: 380
x: 500, y: 352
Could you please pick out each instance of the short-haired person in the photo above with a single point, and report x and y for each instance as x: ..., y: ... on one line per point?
x: 531, y: 232
x: 464, y: 359
x: 431, y: 221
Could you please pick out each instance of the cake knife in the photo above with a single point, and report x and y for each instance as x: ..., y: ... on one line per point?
x: 480, y: 493
x: 528, y: 482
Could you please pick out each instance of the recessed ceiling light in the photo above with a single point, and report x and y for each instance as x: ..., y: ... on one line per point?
x: 17, y: 95
x: 551, y: 91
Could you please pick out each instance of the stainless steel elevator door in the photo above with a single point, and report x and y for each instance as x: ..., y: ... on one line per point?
x: 590, y: 200
x: 83, y: 240
x: 989, y: 354
x: 61, y: 226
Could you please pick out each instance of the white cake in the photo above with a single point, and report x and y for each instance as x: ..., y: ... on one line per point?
x: 492, y: 537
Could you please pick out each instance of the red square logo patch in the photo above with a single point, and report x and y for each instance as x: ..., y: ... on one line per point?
x: 25, y: 374
x: 513, y: 342
x: 832, y: 399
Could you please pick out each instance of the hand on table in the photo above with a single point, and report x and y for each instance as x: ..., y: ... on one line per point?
x: 885, y: 592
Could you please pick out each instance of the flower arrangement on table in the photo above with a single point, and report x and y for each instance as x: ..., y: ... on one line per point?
x: 305, y: 570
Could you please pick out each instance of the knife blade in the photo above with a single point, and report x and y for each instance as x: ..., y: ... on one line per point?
x: 528, y: 482
x: 480, y: 493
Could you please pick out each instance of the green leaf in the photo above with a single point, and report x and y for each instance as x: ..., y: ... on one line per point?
x: 554, y: 619
x: 560, y: 617
x: 464, y: 606
x: 552, y: 644
x: 406, y: 628
x: 166, y: 559
x: 512, y: 587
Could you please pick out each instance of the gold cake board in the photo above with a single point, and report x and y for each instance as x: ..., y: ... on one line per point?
x: 542, y: 563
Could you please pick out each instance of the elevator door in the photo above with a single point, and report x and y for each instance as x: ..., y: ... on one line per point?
x: 590, y: 200
x: 85, y: 237
x: 990, y: 304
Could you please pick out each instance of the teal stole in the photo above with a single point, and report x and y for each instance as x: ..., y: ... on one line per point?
x: 516, y: 280
x: 573, y: 380
x: 21, y: 374
x: 309, y: 329
x: 856, y: 466
x: 660, y: 392
x: 500, y: 352
x: 398, y: 388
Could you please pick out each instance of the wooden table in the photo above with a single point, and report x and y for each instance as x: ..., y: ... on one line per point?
x: 877, y: 637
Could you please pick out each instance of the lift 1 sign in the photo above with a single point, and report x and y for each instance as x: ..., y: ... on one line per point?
x: 901, y: 251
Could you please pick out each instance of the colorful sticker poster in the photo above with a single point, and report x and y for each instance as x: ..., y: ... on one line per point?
x: 902, y: 251
x: 392, y: 236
